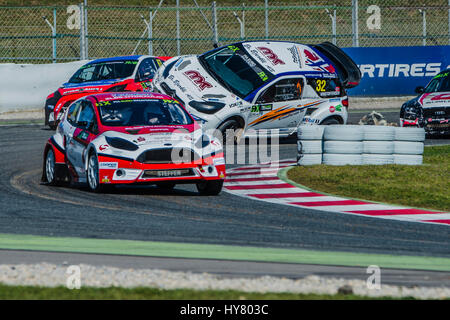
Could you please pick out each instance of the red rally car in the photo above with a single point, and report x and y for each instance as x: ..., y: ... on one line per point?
x: 132, y: 138
x: 127, y: 73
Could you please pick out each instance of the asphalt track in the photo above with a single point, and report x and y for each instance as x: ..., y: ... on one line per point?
x: 182, y: 216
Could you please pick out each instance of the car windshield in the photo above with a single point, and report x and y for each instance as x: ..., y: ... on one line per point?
x: 235, y: 69
x: 142, y: 112
x: 440, y: 83
x: 104, y: 71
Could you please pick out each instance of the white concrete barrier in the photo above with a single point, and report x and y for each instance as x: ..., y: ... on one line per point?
x: 26, y: 86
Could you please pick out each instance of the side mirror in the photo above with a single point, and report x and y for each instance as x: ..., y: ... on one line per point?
x: 419, y: 90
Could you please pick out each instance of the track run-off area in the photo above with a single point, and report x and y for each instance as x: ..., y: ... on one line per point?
x: 145, y: 221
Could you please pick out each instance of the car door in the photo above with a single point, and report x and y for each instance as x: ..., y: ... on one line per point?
x: 278, y: 106
x: 85, y: 131
x: 69, y: 127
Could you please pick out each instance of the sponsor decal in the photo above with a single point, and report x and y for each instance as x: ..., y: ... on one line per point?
x: 108, y: 165
x: 311, y: 120
x: 261, y: 107
x: 103, y: 147
x: 332, y: 109
x: 400, y: 70
x: 106, y: 180
x: 339, y: 107
x: 218, y: 161
x: 273, y: 58
x: 236, y: 104
x: 198, y: 79
x: 83, y: 135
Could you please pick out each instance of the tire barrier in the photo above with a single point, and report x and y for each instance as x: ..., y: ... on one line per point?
x: 356, y: 145
x: 409, y: 134
x: 378, y: 159
x: 408, y: 147
x: 342, y: 159
x: 343, y: 133
x: 378, y: 147
x: 378, y: 133
x: 309, y: 145
x: 306, y: 132
x: 344, y: 147
x: 408, y: 159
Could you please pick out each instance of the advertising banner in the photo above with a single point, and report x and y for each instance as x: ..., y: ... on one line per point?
x: 397, y: 71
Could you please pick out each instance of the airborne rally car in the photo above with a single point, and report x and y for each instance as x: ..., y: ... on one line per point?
x: 261, y: 84
x: 132, y: 138
x: 431, y: 109
x: 128, y: 73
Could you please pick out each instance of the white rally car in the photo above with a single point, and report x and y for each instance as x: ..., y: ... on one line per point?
x: 261, y: 85
x: 132, y: 138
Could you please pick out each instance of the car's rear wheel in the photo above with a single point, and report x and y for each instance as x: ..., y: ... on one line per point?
x: 92, y: 174
x: 330, y: 121
x: 210, y: 188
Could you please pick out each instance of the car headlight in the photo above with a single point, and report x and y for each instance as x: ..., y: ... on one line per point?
x: 120, y: 143
x: 208, y: 107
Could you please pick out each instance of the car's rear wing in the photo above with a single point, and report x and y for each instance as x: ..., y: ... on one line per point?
x: 346, y: 68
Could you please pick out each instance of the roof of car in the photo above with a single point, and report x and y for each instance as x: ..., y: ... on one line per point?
x: 121, y: 58
x: 284, y: 57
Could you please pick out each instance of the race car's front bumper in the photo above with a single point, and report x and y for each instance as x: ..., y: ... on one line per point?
x: 113, y: 170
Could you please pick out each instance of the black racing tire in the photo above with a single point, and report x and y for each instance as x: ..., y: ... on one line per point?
x: 210, y: 188
x: 51, y: 173
x: 330, y: 121
x: 92, y: 175
x: 167, y: 185
x: 230, y: 124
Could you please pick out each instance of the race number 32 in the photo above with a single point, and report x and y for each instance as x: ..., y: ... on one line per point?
x: 320, y: 85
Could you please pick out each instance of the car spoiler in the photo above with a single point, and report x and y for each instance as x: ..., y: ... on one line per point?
x: 346, y: 68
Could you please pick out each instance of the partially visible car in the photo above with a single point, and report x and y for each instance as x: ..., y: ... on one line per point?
x: 431, y: 108
x: 132, y: 138
x: 261, y: 85
x: 126, y: 73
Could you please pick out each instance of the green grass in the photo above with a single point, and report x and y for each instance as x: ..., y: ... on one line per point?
x: 115, y: 293
x: 425, y: 186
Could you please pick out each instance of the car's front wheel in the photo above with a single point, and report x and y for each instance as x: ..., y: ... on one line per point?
x: 210, y: 188
x: 93, y: 174
x: 231, y: 131
x: 50, y: 168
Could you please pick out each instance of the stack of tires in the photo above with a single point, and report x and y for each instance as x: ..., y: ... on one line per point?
x: 343, y: 145
x: 378, y: 146
x: 309, y: 145
x: 409, y: 145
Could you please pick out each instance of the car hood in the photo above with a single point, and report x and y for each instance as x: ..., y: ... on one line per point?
x: 192, y: 82
x: 435, y: 99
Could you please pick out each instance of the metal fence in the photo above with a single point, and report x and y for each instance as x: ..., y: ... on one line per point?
x: 62, y: 33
